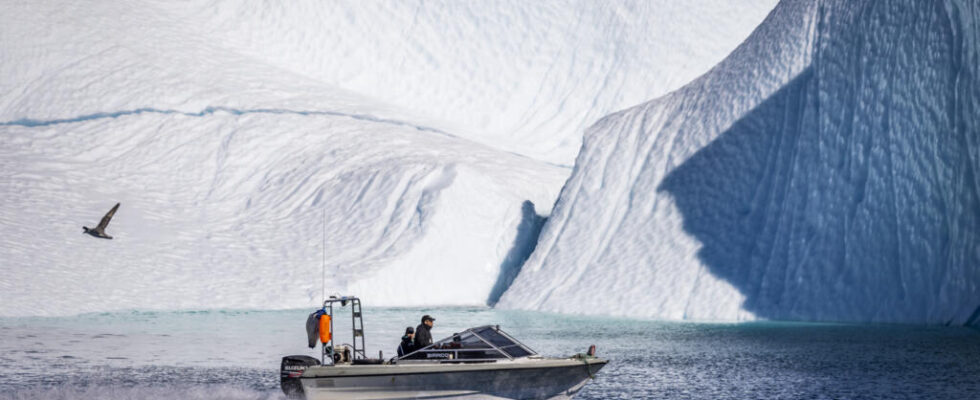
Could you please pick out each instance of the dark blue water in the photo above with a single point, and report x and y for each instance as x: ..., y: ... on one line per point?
x: 235, y: 355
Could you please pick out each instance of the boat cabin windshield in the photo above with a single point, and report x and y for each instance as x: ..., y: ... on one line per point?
x: 484, y: 343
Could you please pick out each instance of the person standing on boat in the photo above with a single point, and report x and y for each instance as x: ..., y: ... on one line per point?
x: 422, y: 335
x: 407, y: 345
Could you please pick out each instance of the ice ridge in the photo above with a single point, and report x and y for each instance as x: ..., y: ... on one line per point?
x: 30, y: 122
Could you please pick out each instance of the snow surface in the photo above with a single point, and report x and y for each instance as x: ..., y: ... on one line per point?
x: 526, y: 77
x: 828, y: 169
x: 231, y: 131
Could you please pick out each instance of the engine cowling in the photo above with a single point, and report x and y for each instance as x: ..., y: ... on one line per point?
x: 289, y: 372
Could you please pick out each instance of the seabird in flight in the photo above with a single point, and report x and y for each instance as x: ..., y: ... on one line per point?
x: 99, y: 231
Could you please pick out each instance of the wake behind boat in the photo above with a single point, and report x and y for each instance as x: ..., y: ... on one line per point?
x: 481, y: 362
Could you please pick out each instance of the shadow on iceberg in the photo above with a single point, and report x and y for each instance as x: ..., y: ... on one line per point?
x: 851, y: 194
x: 524, y: 243
x: 743, y: 200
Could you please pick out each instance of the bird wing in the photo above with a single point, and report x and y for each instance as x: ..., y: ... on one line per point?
x: 107, y: 217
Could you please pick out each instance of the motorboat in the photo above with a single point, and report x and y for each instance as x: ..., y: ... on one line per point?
x: 482, y: 362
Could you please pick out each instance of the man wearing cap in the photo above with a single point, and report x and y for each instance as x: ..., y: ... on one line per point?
x: 422, y: 335
x: 406, y: 345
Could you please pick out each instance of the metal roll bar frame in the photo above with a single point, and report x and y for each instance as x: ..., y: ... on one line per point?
x: 357, y: 328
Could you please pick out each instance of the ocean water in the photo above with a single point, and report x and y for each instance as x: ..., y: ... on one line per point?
x: 235, y: 354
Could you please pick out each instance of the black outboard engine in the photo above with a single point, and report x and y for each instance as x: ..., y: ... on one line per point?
x: 290, y: 370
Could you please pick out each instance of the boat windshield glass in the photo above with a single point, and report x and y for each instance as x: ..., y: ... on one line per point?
x: 482, y: 343
x: 498, y: 339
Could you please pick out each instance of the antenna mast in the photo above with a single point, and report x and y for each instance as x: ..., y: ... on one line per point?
x: 323, y: 259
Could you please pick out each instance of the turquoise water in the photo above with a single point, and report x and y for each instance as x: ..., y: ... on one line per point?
x: 229, y: 354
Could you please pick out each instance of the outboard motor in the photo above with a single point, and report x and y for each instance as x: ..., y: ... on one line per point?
x: 290, y: 370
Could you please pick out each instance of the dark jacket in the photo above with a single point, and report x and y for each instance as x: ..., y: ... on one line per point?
x: 407, y: 346
x: 422, y: 336
x: 313, y: 327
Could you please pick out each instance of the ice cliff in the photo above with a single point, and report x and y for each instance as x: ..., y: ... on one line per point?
x: 420, y: 138
x: 827, y: 170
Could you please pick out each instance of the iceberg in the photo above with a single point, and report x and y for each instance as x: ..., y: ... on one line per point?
x: 827, y: 170
x: 396, y: 143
